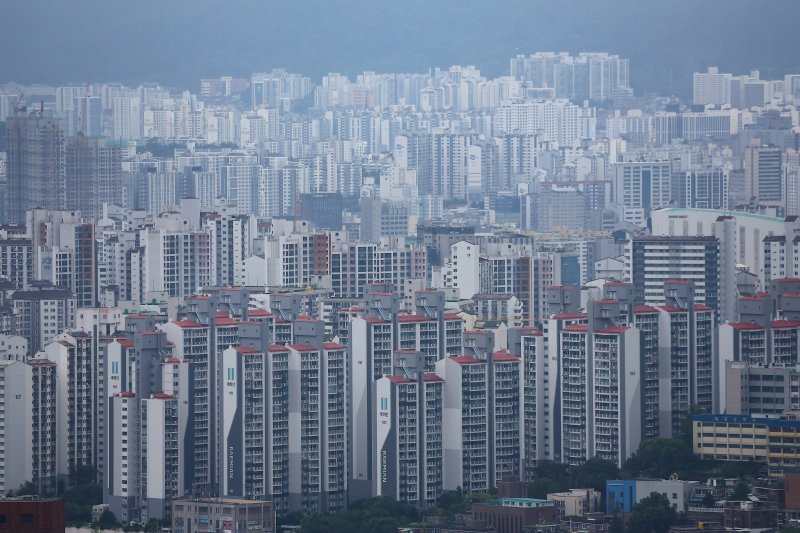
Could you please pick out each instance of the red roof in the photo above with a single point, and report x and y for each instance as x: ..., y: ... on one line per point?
x: 137, y: 315
x: 305, y: 318
x: 503, y: 356
x: 278, y: 348
x: 399, y: 379
x: 466, y: 360
x: 672, y: 309
x: 185, y: 324
x: 246, y: 349
x: 173, y: 361
x: 126, y: 394
x: 746, y: 326
x: 616, y: 283
x: 613, y: 330
x: 162, y: 396
x: 577, y: 328
x: 221, y: 314
x: 791, y: 295
x: 789, y: 280
x: 374, y: 320
x: 258, y: 312
x: 125, y: 343
x: 333, y: 346
x: 606, y: 302
x: 702, y: 307
x: 757, y: 298
x: 677, y: 281
x: 302, y: 347
x: 227, y: 321
x: 431, y: 377
x: 644, y: 309
x: 452, y: 316
x: 413, y: 318
x: 569, y: 316
x: 785, y: 324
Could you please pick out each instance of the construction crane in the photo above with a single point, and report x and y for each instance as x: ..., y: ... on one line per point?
x: 19, y: 103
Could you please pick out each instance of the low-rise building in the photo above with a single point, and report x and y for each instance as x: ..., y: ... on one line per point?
x: 744, y: 438
x: 623, y: 494
x: 575, y: 502
x: 223, y: 515
x: 511, y: 515
x: 32, y: 514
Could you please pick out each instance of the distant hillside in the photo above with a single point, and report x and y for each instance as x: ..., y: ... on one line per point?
x: 177, y: 42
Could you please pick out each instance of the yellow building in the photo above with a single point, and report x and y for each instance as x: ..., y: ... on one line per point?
x: 775, y: 442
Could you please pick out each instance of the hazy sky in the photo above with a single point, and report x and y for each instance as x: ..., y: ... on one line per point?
x: 177, y: 42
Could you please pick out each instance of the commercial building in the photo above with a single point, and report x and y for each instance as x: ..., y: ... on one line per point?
x: 225, y: 515
x: 775, y: 442
x: 623, y: 495
x: 575, y: 502
x: 515, y: 514
x: 31, y: 513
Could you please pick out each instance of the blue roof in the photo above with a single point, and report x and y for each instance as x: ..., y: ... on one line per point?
x: 744, y: 419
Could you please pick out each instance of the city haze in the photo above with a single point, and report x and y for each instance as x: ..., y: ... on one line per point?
x: 181, y: 41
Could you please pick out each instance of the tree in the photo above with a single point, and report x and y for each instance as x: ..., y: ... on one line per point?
x: 740, y: 492
x: 107, y: 520
x: 616, y: 525
x: 653, y: 514
x: 594, y: 473
x: 709, y: 500
x: 549, y: 477
x: 687, y: 429
x: 27, y: 489
x: 660, y: 458
x: 374, y: 514
x: 82, y: 493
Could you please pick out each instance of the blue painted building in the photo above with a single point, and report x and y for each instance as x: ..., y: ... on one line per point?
x: 620, y: 495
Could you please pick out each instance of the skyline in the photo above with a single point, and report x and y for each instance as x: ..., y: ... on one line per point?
x: 172, y: 43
